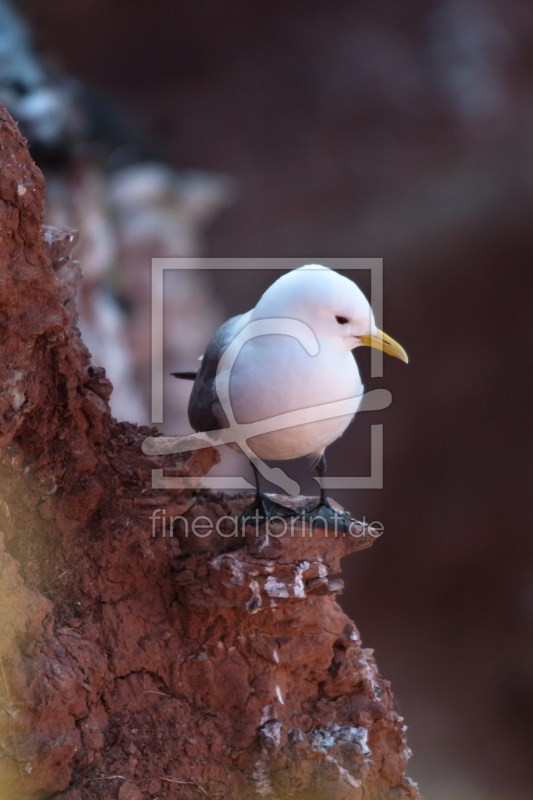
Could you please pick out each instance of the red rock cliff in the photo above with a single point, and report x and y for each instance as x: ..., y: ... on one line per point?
x: 135, y: 666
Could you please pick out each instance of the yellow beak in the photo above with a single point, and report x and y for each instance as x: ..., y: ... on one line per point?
x: 385, y: 343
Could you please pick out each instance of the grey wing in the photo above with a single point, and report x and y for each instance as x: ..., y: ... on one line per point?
x: 205, y: 413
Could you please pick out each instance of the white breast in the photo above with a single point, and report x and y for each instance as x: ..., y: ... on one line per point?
x: 274, y: 375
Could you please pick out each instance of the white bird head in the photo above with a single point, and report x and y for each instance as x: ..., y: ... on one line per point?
x: 332, y: 305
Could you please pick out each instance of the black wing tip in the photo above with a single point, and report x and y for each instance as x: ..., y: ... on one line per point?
x: 186, y: 376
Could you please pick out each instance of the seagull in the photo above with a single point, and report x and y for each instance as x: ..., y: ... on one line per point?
x: 293, y: 370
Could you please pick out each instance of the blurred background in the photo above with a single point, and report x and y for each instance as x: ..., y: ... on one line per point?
x: 394, y: 128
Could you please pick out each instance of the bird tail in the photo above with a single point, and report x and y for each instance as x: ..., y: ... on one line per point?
x: 186, y: 376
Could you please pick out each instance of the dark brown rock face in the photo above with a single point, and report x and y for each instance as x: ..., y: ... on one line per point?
x: 137, y: 665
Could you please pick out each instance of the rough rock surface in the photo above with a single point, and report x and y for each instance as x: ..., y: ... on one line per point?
x: 138, y: 666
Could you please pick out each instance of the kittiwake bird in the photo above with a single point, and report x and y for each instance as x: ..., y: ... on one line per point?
x: 296, y: 357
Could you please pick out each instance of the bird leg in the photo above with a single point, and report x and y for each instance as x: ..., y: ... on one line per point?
x: 323, y: 514
x: 263, y: 507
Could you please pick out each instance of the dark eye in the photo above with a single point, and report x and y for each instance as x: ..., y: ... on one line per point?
x: 342, y: 320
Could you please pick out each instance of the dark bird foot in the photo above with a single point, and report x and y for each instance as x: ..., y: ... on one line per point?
x: 263, y: 509
x: 323, y: 515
